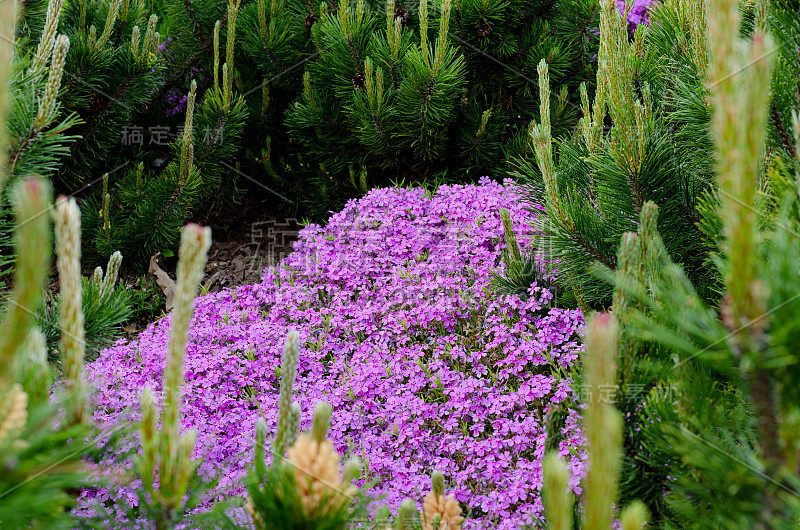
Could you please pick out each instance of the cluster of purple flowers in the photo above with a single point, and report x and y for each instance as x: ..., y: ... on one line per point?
x: 425, y: 366
x: 638, y: 13
x: 176, y: 99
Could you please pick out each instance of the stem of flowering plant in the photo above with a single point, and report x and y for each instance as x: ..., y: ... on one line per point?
x: 31, y: 198
x: 67, y: 219
x: 195, y: 241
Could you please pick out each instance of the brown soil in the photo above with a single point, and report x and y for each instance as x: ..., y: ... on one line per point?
x: 246, y: 238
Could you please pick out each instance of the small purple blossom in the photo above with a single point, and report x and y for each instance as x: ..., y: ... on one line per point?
x: 176, y: 103
x: 639, y: 12
x: 176, y: 97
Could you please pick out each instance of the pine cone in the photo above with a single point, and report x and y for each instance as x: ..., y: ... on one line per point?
x: 310, y: 19
x: 483, y: 29
x: 403, y: 14
x: 359, y: 82
x: 316, y: 471
x: 445, y: 507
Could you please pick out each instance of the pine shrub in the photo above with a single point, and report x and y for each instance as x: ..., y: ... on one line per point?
x: 405, y: 92
x: 709, y: 435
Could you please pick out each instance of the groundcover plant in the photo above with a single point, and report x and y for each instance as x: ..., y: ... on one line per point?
x: 425, y: 366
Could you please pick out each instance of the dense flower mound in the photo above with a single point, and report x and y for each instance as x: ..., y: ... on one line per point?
x: 425, y: 366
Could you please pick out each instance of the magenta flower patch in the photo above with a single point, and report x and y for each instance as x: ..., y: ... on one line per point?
x: 424, y: 365
x: 638, y: 13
